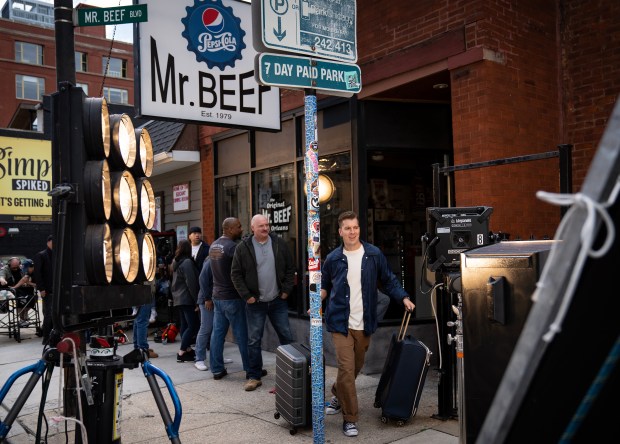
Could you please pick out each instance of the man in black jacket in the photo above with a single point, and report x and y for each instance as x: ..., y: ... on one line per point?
x: 44, y: 278
x: 200, y: 249
x: 263, y: 273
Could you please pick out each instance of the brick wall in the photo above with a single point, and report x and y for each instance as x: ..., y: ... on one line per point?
x: 590, y: 62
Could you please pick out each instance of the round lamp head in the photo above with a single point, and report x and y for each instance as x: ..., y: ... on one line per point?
x: 126, y: 255
x: 98, y: 254
x: 124, y: 197
x: 96, y: 124
x: 146, y: 211
x: 148, y: 255
x: 97, y: 189
x: 144, y: 159
x: 123, y: 141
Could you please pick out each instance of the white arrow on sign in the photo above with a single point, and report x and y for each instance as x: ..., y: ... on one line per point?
x: 320, y: 28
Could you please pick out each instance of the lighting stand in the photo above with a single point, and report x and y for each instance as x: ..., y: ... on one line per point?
x: 460, y: 370
x: 101, y: 405
x: 446, y: 295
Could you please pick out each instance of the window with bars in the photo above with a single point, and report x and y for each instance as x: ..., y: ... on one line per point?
x: 29, y: 53
x: 29, y: 87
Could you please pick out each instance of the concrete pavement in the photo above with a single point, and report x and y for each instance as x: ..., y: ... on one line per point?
x: 214, y: 411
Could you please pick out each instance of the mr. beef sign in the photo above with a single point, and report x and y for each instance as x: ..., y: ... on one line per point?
x: 196, y: 64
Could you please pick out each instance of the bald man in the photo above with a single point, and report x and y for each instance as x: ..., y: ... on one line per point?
x: 263, y: 272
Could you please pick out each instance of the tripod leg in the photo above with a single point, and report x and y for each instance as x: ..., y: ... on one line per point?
x: 46, y: 384
x: 37, y: 370
x: 172, y: 427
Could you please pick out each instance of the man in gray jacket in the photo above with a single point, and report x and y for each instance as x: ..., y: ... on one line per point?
x: 263, y: 272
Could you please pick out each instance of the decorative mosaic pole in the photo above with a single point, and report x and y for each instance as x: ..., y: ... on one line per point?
x: 314, y: 267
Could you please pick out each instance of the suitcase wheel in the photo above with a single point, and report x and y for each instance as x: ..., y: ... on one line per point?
x: 276, y: 415
x: 384, y: 419
x: 293, y: 431
x: 400, y: 423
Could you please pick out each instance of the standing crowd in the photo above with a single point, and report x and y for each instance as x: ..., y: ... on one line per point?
x: 240, y: 283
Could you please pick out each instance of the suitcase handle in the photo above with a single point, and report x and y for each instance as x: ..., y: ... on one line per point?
x: 403, y: 326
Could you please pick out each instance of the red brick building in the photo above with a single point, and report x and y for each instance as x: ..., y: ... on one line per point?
x: 523, y: 77
x: 442, y: 82
x: 28, y: 62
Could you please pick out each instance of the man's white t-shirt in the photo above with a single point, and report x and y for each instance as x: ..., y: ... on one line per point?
x: 195, y: 249
x: 354, y: 278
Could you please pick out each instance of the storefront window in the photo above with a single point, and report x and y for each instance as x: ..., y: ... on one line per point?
x: 337, y: 168
x: 233, y: 200
x: 274, y: 196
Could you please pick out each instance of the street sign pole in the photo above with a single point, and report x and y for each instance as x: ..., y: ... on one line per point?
x: 311, y: 164
x: 326, y: 32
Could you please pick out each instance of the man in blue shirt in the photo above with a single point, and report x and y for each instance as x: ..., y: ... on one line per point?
x: 349, y: 277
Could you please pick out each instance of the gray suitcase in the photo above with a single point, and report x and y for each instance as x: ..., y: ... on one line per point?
x: 293, y: 385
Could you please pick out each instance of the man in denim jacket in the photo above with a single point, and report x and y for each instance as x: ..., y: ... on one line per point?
x: 349, y: 277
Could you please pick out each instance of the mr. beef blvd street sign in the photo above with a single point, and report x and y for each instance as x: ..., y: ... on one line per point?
x: 304, y: 72
x: 117, y: 15
x: 320, y: 28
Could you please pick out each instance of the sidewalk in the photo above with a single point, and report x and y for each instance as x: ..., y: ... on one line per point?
x: 215, y: 411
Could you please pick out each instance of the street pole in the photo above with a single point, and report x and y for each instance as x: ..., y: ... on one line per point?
x: 65, y: 43
x: 311, y: 163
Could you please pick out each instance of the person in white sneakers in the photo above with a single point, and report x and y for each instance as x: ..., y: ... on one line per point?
x: 351, y: 311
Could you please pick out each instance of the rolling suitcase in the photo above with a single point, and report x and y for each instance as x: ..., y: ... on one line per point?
x: 402, y: 380
x: 293, y: 385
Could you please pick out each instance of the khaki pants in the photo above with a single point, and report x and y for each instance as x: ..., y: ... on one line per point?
x: 350, y: 353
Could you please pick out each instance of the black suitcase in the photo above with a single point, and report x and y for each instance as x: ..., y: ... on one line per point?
x: 293, y: 385
x: 402, y: 380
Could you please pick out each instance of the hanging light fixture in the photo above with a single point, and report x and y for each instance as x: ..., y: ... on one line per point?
x: 326, y: 189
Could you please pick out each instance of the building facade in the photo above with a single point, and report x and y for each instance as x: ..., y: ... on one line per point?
x: 28, y: 63
x: 27, y: 74
x: 447, y: 83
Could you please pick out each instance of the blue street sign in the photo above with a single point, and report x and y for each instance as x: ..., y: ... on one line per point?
x: 294, y: 72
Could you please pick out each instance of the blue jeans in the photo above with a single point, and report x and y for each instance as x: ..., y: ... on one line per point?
x: 140, y: 327
x: 204, y: 334
x: 257, y: 313
x: 228, y: 314
x: 189, y: 325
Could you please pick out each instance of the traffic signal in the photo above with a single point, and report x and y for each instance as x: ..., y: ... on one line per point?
x: 109, y: 255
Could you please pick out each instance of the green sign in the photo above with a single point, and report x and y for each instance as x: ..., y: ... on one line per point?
x: 117, y: 15
x: 304, y: 72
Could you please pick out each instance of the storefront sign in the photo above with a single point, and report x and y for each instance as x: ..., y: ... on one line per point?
x: 196, y: 64
x: 278, y: 213
x: 180, y: 198
x: 25, y: 180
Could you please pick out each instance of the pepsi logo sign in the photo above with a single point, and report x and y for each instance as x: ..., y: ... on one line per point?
x: 213, y: 34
